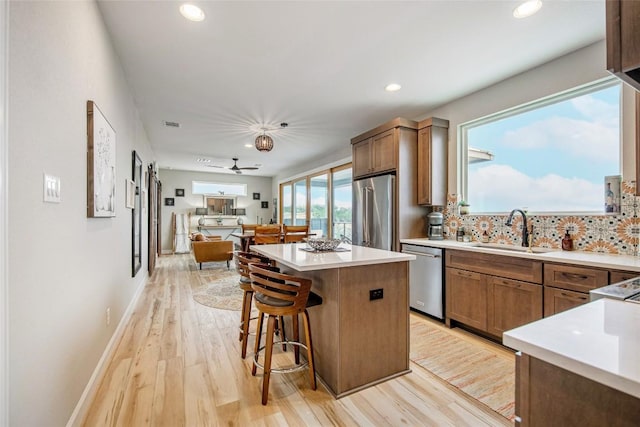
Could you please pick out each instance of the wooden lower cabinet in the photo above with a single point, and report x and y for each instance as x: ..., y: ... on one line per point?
x: 619, y: 276
x: 512, y: 303
x: 547, y: 396
x: 489, y: 303
x: 558, y: 300
x: 466, y: 297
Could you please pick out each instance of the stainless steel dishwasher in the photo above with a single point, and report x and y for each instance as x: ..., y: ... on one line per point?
x: 425, y: 279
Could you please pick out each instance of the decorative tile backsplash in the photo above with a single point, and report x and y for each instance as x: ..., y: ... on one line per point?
x: 610, y: 233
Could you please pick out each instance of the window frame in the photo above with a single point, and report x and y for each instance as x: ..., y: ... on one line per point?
x: 463, y: 146
x: 307, y: 178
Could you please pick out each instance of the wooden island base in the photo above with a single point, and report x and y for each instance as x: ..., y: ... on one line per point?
x: 547, y: 395
x: 359, y: 342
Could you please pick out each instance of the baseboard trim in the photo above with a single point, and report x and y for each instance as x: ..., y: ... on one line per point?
x: 80, y: 412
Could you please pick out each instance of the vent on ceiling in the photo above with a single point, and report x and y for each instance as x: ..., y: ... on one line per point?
x: 171, y: 124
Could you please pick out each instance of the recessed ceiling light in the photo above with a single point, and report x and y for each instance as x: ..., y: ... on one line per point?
x: 527, y: 8
x: 202, y: 160
x: 248, y: 145
x: 192, y: 12
x: 393, y: 87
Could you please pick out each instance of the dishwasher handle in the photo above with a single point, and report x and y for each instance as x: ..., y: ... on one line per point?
x: 421, y: 254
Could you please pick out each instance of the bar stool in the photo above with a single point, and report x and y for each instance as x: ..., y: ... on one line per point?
x: 277, y: 295
x: 243, y: 259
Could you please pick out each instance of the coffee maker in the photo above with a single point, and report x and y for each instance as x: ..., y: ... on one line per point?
x: 434, y: 226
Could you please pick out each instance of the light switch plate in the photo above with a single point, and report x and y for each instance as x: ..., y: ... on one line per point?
x: 51, y: 188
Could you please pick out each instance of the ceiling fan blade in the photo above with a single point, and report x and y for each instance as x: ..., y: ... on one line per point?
x: 252, y: 168
x: 238, y: 171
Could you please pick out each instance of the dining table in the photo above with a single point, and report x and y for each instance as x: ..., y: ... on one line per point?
x: 246, y: 239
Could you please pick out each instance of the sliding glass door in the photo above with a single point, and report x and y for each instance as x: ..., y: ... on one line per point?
x: 322, y: 200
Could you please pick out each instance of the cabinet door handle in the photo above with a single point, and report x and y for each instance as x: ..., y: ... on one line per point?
x: 464, y: 274
x: 573, y: 296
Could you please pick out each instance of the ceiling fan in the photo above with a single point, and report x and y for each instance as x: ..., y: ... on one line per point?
x: 235, y: 167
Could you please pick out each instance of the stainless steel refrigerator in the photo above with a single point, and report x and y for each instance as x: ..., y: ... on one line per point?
x: 373, y: 212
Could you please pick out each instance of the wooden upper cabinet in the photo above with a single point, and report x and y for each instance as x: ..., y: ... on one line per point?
x: 384, y: 151
x: 623, y: 40
x: 432, y: 162
x: 377, y: 151
x: 362, y: 158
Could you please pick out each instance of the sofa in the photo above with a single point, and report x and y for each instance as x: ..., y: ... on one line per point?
x: 211, y: 249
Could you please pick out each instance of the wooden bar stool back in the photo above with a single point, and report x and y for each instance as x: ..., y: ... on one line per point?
x: 295, y: 233
x: 242, y: 260
x: 277, y: 295
x: 267, y: 234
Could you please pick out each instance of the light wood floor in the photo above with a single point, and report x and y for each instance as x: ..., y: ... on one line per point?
x: 179, y: 364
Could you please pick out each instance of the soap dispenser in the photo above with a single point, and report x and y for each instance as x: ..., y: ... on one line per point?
x: 567, y: 242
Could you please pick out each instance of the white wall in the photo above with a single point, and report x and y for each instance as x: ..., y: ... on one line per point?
x: 64, y: 269
x: 580, y: 67
x: 172, y: 179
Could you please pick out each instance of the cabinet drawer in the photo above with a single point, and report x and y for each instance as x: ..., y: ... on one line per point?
x: 580, y: 279
x: 619, y: 276
x: 557, y: 300
x: 496, y: 265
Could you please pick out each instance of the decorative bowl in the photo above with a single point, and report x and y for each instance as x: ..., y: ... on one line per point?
x: 323, y: 243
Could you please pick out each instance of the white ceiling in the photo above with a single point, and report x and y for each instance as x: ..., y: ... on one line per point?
x: 321, y: 66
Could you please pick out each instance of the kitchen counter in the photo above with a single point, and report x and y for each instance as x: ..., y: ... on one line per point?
x: 291, y: 255
x: 591, y: 259
x: 361, y: 329
x: 599, y: 340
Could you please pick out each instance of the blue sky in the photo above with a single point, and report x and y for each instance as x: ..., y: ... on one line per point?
x: 552, y: 158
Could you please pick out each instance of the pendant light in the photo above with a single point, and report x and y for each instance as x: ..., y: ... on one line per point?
x: 264, y: 143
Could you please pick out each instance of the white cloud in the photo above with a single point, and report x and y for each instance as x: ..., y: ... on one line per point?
x: 500, y: 188
x: 579, y: 138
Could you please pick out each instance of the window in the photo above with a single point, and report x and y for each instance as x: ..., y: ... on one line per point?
x: 286, y: 204
x: 203, y: 187
x: 319, y: 212
x: 342, y: 199
x: 547, y: 156
x: 322, y: 200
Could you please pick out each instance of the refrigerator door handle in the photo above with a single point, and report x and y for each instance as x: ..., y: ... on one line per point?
x: 366, y: 230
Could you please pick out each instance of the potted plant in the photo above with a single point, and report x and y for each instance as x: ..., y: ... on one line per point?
x: 463, y: 207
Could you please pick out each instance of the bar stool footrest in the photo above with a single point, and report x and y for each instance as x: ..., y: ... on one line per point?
x: 282, y: 370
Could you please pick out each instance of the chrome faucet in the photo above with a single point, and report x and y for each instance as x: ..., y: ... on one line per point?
x: 525, y: 229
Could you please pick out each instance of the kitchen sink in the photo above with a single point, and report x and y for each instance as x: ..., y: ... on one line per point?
x: 512, y: 248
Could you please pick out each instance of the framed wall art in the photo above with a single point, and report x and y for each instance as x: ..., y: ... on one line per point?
x: 169, y: 201
x: 101, y: 164
x: 179, y: 192
x: 130, y: 197
x: 256, y: 196
x: 265, y: 205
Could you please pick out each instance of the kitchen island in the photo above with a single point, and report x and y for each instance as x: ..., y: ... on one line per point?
x: 579, y: 367
x: 360, y: 331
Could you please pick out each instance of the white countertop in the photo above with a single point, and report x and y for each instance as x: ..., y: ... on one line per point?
x: 292, y: 256
x: 591, y: 259
x: 599, y: 340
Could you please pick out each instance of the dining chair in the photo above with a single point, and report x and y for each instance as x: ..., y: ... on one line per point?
x: 266, y: 234
x: 295, y: 233
x: 249, y: 228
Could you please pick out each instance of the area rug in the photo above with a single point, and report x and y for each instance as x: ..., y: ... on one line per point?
x: 218, y: 288
x: 486, y: 376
